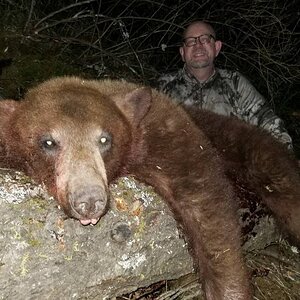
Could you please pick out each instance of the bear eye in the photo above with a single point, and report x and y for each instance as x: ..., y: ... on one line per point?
x: 48, y: 144
x: 104, y: 142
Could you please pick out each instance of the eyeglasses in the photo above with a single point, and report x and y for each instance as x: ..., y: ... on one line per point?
x: 202, y: 39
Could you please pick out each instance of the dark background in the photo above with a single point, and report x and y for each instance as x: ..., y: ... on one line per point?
x: 138, y: 41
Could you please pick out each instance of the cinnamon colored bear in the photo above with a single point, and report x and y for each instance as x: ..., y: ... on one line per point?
x: 76, y: 136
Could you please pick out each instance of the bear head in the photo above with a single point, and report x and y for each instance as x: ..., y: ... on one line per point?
x: 74, y: 136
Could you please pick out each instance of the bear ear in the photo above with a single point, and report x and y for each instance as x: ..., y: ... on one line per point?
x: 135, y: 104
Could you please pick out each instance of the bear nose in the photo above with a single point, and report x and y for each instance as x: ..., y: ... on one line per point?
x: 89, y: 202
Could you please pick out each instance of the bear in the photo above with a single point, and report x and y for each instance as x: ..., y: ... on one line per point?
x: 76, y: 136
x: 263, y: 164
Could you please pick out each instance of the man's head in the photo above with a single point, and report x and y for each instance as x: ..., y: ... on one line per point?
x: 200, y: 47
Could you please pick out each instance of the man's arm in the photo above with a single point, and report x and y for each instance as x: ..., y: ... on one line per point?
x: 255, y: 110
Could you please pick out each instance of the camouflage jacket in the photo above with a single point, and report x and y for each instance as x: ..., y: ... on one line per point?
x: 227, y: 93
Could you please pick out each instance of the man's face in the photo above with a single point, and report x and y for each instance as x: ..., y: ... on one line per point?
x: 200, y: 55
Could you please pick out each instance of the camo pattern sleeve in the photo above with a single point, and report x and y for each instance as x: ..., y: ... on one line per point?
x: 254, y: 109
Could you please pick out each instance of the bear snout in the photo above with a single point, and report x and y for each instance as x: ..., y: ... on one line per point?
x: 88, y: 204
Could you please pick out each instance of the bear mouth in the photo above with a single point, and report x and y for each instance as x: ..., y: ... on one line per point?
x: 89, y: 221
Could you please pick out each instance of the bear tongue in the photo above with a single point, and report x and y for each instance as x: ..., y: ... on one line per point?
x: 89, y: 221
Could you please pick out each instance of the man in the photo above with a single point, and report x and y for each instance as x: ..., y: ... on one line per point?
x: 225, y: 92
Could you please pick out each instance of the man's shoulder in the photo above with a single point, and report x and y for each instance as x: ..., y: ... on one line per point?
x: 234, y: 79
x: 229, y: 74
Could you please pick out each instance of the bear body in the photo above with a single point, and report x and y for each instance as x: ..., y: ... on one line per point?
x: 254, y: 157
x: 76, y: 136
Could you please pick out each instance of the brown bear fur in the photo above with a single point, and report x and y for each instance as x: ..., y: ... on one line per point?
x: 77, y: 136
x: 261, y: 162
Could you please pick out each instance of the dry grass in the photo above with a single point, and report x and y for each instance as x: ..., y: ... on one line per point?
x: 275, y: 276
x: 139, y: 39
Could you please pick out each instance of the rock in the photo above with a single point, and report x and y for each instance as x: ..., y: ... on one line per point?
x: 44, y: 255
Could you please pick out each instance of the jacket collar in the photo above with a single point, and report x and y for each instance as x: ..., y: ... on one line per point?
x: 187, y: 76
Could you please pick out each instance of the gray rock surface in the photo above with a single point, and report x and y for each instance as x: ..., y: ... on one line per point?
x: 44, y: 255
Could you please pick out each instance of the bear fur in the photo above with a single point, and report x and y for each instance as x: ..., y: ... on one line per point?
x: 76, y: 136
x: 252, y: 156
